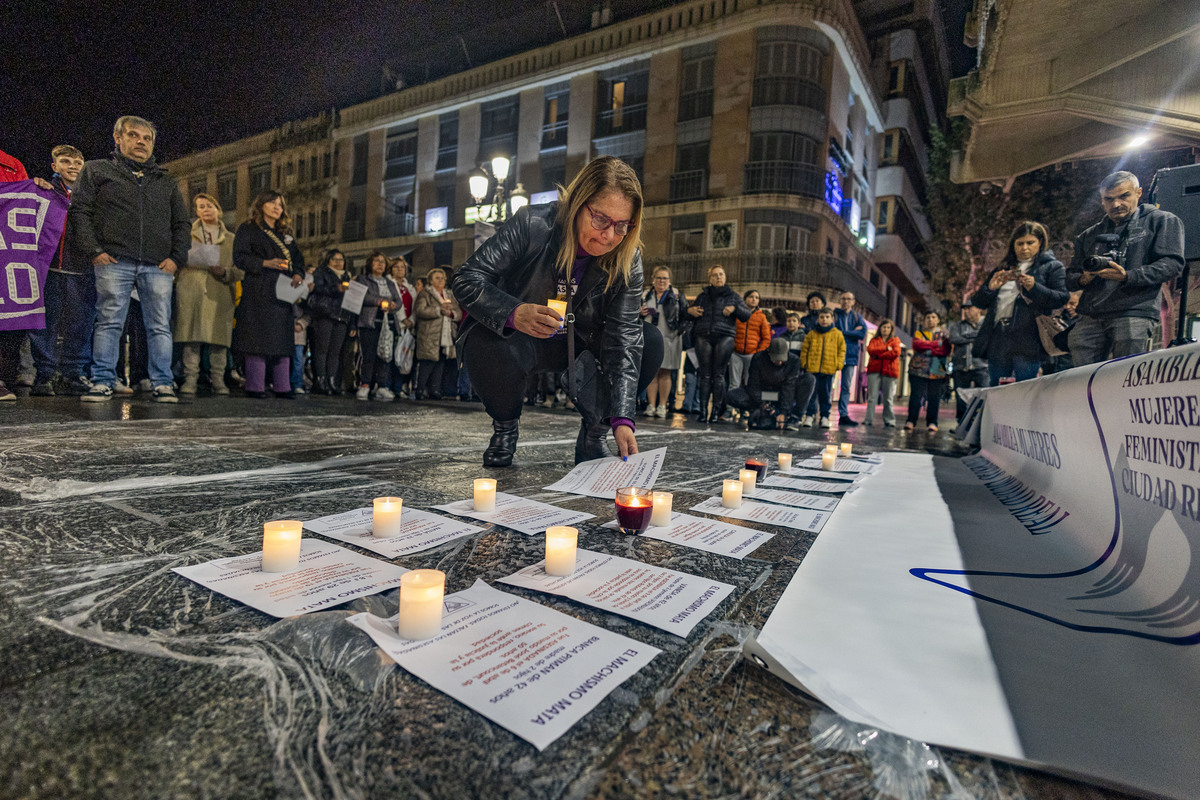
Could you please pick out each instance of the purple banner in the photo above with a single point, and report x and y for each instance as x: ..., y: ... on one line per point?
x: 31, y: 225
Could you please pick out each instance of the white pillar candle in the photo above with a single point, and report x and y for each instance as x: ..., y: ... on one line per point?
x: 661, y: 517
x: 422, y: 592
x: 748, y: 478
x: 561, y: 543
x: 731, y: 495
x: 485, y: 494
x: 281, y: 545
x: 846, y: 449
x: 827, y: 459
x: 785, y: 460
x: 386, y: 521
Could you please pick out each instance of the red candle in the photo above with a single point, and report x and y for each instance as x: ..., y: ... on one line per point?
x: 758, y: 466
x: 634, y: 509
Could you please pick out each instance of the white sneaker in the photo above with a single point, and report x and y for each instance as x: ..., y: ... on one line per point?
x: 648, y: 412
x: 383, y: 393
x: 825, y: 423
x: 363, y: 393
x: 806, y: 421
x: 299, y: 390
x: 660, y: 412
x: 119, y: 387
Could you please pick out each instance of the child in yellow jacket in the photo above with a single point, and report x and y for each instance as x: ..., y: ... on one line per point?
x: 823, y: 353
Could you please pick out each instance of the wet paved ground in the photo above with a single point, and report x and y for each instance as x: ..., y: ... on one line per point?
x: 121, y: 679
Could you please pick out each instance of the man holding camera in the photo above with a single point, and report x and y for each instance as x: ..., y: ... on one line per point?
x: 1120, y: 264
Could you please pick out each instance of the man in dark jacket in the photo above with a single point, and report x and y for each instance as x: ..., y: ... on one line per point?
x: 775, y: 369
x: 1121, y: 275
x: 854, y: 330
x: 129, y: 219
x: 968, y: 369
x: 70, y: 301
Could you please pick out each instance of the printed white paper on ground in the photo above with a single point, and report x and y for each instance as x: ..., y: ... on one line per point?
x: 530, y: 669
x: 709, y: 535
x: 797, y: 499
x: 526, y: 516
x: 419, y: 530
x: 821, y: 474
x: 804, y: 485
x: 801, y: 519
x: 851, y: 466
x: 602, y: 477
x: 328, y: 575
x: 670, y: 600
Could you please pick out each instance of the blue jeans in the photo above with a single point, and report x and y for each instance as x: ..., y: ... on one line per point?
x: 71, y: 311
x: 298, y: 366
x: 848, y: 372
x: 1006, y: 364
x: 114, y: 284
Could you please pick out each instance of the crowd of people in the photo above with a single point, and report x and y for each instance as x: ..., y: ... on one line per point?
x: 146, y: 288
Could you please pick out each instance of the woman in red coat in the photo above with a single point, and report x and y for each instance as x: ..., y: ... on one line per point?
x: 882, y: 372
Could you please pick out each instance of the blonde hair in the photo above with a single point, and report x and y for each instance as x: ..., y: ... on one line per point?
x: 601, y: 175
x: 209, y: 198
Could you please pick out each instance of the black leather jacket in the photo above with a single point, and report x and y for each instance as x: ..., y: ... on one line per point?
x: 712, y: 324
x: 669, y: 307
x: 517, y: 266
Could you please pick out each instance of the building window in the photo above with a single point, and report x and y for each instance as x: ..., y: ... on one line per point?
x: 448, y: 141
x: 622, y: 106
x: 696, y: 88
x: 227, y: 191
x: 312, y: 223
x: 498, y: 128
x: 445, y: 194
x: 324, y: 221
x: 358, y: 173
x: 789, y: 74
x: 196, y: 186
x: 312, y: 168
x: 690, y: 179
x: 554, y: 121
x: 303, y: 171
x: 553, y: 175
x: 784, y: 162
x: 328, y: 165
x: 767, y: 236
x: 260, y: 178
x: 400, y: 155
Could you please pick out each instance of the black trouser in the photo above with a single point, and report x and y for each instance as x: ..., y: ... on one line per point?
x: 372, y: 370
x: 931, y: 390
x: 429, y: 376
x: 713, y: 355
x: 328, y: 336
x: 500, y: 367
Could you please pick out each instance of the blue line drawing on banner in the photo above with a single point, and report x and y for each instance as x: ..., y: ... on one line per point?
x: 1115, y: 593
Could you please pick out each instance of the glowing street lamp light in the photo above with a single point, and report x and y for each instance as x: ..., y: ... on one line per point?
x: 504, y: 205
x: 500, y: 168
x: 1138, y: 141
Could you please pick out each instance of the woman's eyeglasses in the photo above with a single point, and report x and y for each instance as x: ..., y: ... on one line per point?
x: 602, y: 223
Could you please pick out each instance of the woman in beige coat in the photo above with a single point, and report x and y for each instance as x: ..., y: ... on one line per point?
x: 204, y: 296
x: 438, y: 315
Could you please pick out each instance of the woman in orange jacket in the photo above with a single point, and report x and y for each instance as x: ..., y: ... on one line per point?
x: 752, y: 336
x: 883, y: 370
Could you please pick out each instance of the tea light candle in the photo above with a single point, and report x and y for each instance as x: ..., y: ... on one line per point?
x: 661, y: 518
x: 281, y: 545
x: 485, y: 494
x: 731, y: 495
x: 560, y: 306
x: 831, y: 449
x: 422, y: 592
x: 386, y: 521
x: 785, y: 460
x: 846, y: 449
x: 748, y: 478
x: 827, y: 459
x: 561, y: 543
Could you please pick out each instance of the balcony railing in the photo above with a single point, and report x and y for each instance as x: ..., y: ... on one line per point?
x: 400, y: 168
x: 689, y: 185
x: 695, y: 105
x: 554, y: 134
x: 784, y: 177
x: 622, y: 120
x: 780, y: 91
x: 396, y: 225
x: 907, y: 158
x: 447, y: 157
x: 745, y: 269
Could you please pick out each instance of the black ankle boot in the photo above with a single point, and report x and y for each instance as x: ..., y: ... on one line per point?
x: 589, y: 445
x: 503, y: 445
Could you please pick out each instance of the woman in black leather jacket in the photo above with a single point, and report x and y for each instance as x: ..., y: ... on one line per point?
x: 585, y: 249
x: 1030, y: 282
x: 329, y: 322
x: 712, y: 316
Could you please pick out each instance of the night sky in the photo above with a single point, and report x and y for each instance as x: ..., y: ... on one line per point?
x: 213, y: 72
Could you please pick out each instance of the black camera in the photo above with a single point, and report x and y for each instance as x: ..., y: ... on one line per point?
x: 1104, y: 250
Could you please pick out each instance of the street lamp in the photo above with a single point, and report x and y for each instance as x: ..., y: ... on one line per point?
x: 504, y: 203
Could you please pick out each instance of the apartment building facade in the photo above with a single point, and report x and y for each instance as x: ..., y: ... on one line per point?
x: 757, y: 128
